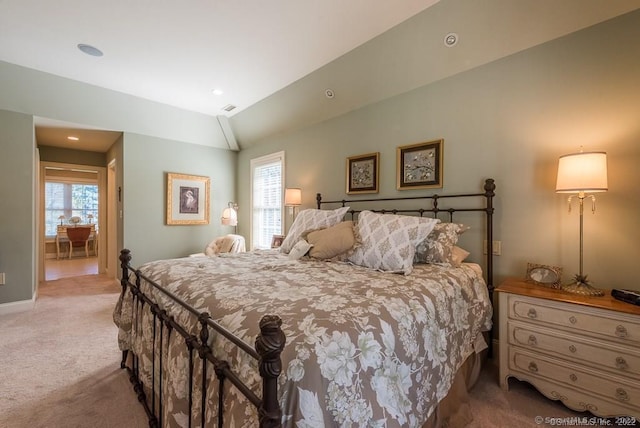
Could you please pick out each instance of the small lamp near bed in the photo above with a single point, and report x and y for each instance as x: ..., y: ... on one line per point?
x: 581, y: 173
x: 292, y: 199
x: 230, y: 215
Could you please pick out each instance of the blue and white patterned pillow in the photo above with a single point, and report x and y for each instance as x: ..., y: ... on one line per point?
x: 387, y: 242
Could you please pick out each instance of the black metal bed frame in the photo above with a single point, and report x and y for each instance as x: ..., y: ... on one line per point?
x: 488, y: 195
x: 268, y: 344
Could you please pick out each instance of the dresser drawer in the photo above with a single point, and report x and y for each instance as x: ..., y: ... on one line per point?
x: 589, y: 321
x: 621, y: 360
x: 611, y: 388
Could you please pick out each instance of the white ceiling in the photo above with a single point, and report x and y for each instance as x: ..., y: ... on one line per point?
x: 262, y: 53
x: 177, y: 52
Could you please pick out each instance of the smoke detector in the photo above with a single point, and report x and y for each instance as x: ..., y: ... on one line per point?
x: 450, y: 40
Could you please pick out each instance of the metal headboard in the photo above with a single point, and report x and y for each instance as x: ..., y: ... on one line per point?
x: 487, y: 208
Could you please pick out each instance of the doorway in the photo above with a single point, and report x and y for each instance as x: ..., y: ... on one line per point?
x: 71, y: 196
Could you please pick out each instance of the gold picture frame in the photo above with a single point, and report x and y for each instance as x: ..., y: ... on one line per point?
x: 187, y: 199
x: 547, y: 276
x: 363, y: 173
x: 419, y: 166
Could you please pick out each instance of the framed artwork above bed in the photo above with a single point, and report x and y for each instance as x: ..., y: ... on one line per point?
x: 187, y: 199
x: 419, y: 166
x: 362, y: 173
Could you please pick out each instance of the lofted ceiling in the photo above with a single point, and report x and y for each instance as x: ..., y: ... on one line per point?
x: 273, y: 60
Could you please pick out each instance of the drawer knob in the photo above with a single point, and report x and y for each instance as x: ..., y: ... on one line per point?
x: 533, y: 341
x: 621, y: 363
x: 533, y: 367
x: 621, y: 395
x: 573, y: 320
x: 572, y: 348
x: 573, y: 377
x: 621, y: 331
x: 533, y: 314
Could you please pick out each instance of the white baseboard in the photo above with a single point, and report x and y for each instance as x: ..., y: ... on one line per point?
x: 21, y: 306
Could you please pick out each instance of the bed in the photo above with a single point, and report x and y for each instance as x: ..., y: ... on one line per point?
x: 272, y: 338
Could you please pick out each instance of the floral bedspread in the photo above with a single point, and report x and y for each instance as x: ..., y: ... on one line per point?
x: 364, y: 348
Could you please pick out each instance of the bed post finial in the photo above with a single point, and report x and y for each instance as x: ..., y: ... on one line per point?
x: 318, y: 200
x: 489, y: 187
x: 125, y: 258
x: 269, y: 344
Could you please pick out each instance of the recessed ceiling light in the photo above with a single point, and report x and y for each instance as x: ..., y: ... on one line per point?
x: 90, y: 50
x: 72, y: 138
x: 217, y: 92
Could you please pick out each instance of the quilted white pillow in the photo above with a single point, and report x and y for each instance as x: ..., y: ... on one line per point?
x: 388, y: 242
x: 308, y: 220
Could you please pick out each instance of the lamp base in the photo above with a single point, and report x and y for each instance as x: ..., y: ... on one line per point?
x: 581, y: 286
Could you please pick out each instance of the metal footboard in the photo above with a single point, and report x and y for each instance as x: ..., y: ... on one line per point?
x: 268, y: 347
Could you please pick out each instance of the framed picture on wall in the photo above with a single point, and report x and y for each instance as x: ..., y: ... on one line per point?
x: 419, y: 166
x: 362, y: 173
x: 187, y: 199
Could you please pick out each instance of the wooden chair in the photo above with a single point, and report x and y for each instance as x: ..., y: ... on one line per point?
x: 78, y: 238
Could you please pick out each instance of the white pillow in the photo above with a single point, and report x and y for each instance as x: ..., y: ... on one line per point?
x: 388, y: 242
x: 308, y: 220
x: 300, y: 249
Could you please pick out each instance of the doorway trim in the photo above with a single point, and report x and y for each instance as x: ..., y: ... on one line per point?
x: 112, y: 264
x: 102, y: 200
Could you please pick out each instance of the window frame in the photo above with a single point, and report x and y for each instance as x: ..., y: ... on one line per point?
x: 70, y: 181
x: 254, y: 164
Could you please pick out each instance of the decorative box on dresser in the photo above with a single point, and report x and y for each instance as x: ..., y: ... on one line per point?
x: 584, y: 351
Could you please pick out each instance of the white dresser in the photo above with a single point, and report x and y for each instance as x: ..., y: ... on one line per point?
x: 584, y: 351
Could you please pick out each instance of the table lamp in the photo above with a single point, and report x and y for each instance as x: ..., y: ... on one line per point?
x: 582, y: 173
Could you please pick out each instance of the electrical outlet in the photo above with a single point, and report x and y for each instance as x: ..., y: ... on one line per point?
x: 497, y: 247
x: 2, y: 278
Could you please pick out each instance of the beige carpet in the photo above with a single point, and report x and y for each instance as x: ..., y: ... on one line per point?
x: 59, y: 367
x: 60, y: 363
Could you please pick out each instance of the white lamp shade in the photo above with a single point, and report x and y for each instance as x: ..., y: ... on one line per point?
x: 582, y: 172
x: 229, y: 217
x: 292, y: 197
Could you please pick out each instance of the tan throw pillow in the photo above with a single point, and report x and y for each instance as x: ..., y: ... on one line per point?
x: 308, y: 220
x: 332, y: 241
x: 458, y: 255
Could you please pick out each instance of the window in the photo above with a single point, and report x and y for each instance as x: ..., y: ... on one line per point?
x: 267, y: 178
x: 68, y: 200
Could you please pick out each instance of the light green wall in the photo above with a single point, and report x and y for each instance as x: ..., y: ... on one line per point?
x: 158, y: 138
x: 17, y: 233
x: 41, y: 94
x: 146, y: 162
x: 509, y: 120
x: 78, y: 157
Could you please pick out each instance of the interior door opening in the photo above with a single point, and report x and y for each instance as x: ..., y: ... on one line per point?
x: 72, y: 197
